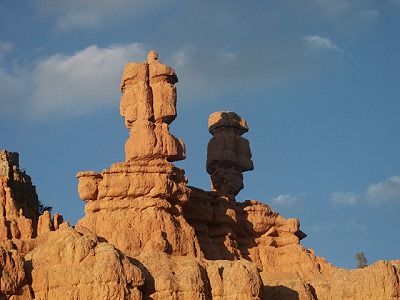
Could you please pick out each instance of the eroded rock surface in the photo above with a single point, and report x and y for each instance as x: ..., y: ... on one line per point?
x: 228, y: 153
x: 67, y: 264
x: 147, y: 235
x: 12, y: 272
x: 19, y: 203
x: 148, y: 105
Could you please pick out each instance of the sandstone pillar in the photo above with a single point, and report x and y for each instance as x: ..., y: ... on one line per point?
x: 228, y: 153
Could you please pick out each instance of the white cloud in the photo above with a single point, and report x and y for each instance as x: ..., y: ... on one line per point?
x: 384, y: 192
x: 322, y: 53
x: 180, y: 58
x: 319, y: 42
x: 230, y: 59
x: 68, y: 85
x: 285, y: 200
x: 344, y: 198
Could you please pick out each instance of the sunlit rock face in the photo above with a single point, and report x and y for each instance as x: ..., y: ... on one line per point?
x: 148, y: 105
x: 146, y: 234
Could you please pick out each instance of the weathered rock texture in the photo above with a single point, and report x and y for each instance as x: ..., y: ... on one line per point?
x: 147, y: 235
x: 67, y: 264
x: 19, y: 203
x: 228, y: 153
x: 148, y: 105
x: 20, y: 223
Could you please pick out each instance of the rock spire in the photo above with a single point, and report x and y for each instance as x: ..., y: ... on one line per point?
x: 148, y: 105
x: 228, y: 153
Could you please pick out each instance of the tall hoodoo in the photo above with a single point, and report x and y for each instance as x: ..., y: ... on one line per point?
x: 228, y: 153
x: 148, y: 105
x: 127, y: 202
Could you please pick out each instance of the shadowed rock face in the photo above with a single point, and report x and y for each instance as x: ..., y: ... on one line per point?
x: 147, y: 235
x: 228, y: 154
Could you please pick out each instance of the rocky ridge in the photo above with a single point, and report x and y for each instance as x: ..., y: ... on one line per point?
x: 146, y: 234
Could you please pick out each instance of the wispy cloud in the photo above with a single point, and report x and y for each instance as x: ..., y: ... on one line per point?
x: 222, y: 54
x: 5, y: 47
x: 88, y: 14
x: 397, y: 2
x: 350, y: 224
x: 86, y: 81
x: 376, y: 194
x: 179, y: 58
x: 68, y: 85
x: 79, y: 20
x: 286, y: 200
x: 341, y: 198
x: 347, y: 16
x: 333, y: 8
x: 386, y: 191
x: 344, y: 10
x: 368, y: 16
x: 319, y: 42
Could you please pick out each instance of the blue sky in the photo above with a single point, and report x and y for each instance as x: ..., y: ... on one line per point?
x: 316, y: 80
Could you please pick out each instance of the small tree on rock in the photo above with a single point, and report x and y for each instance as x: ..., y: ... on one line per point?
x: 362, y: 262
x: 43, y: 208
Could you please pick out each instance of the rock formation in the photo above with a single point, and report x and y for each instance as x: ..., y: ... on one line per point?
x: 228, y: 154
x: 148, y: 105
x: 20, y: 224
x: 146, y: 234
x: 19, y: 203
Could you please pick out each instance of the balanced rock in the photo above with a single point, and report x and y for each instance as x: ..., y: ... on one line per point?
x: 228, y: 154
x: 148, y: 105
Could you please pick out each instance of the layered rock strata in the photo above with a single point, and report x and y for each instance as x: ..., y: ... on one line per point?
x: 20, y: 223
x: 138, y: 205
x: 228, y: 153
x: 147, y: 235
x: 147, y: 188
x: 148, y: 105
x: 19, y: 203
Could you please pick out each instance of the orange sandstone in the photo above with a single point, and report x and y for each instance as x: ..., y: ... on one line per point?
x: 146, y: 234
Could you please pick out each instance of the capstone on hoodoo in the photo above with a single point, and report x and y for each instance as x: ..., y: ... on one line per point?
x: 228, y: 153
x: 148, y: 105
